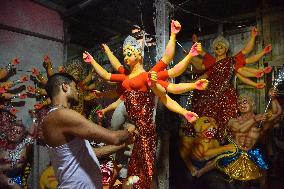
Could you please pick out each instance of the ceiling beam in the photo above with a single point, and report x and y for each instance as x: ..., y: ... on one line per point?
x: 80, y: 6
x: 51, y: 5
x: 92, y: 27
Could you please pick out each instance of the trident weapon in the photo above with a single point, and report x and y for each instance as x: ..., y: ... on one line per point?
x: 279, y: 78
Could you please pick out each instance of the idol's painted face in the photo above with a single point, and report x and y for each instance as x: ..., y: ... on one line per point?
x: 220, y: 49
x: 206, y: 126
x: 245, y: 105
x: 131, y: 56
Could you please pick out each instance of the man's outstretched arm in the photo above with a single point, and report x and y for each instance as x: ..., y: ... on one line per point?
x: 74, y: 124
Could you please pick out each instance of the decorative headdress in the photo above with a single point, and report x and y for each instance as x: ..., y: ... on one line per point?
x: 131, y: 41
x: 222, y: 40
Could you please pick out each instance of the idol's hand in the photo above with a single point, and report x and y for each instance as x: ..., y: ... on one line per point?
x: 87, y: 57
x: 35, y: 72
x: 38, y: 106
x: 105, y: 47
x: 7, y: 85
x: 196, y: 49
x: 31, y: 89
x: 152, y: 78
x: 15, y: 61
x: 13, y: 111
x: 175, y: 27
x: 267, y: 49
x: 46, y: 59
x: 201, y: 84
x: 2, y: 90
x: 24, y: 78
x: 254, y: 32
x: 260, y: 85
x: 22, y: 96
x: 61, y: 69
x: 194, y: 38
x: 100, y: 113
x: 132, y: 180
x: 191, y: 116
x: 98, y: 94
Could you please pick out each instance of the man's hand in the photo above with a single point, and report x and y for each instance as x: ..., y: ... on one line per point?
x: 133, y: 133
x: 175, y: 27
x: 260, y: 117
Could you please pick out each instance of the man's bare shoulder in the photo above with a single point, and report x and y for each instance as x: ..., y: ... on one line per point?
x: 61, y: 116
x: 56, y: 123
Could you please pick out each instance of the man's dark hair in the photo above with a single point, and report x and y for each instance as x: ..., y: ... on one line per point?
x: 55, y: 81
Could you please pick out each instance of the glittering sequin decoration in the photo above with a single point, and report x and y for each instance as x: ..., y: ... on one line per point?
x: 242, y: 165
x: 17, y: 180
x: 219, y: 100
x: 139, y: 106
x: 15, y: 154
x: 7, y: 120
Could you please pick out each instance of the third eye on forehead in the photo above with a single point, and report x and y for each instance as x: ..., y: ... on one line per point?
x: 128, y: 53
x: 219, y: 47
